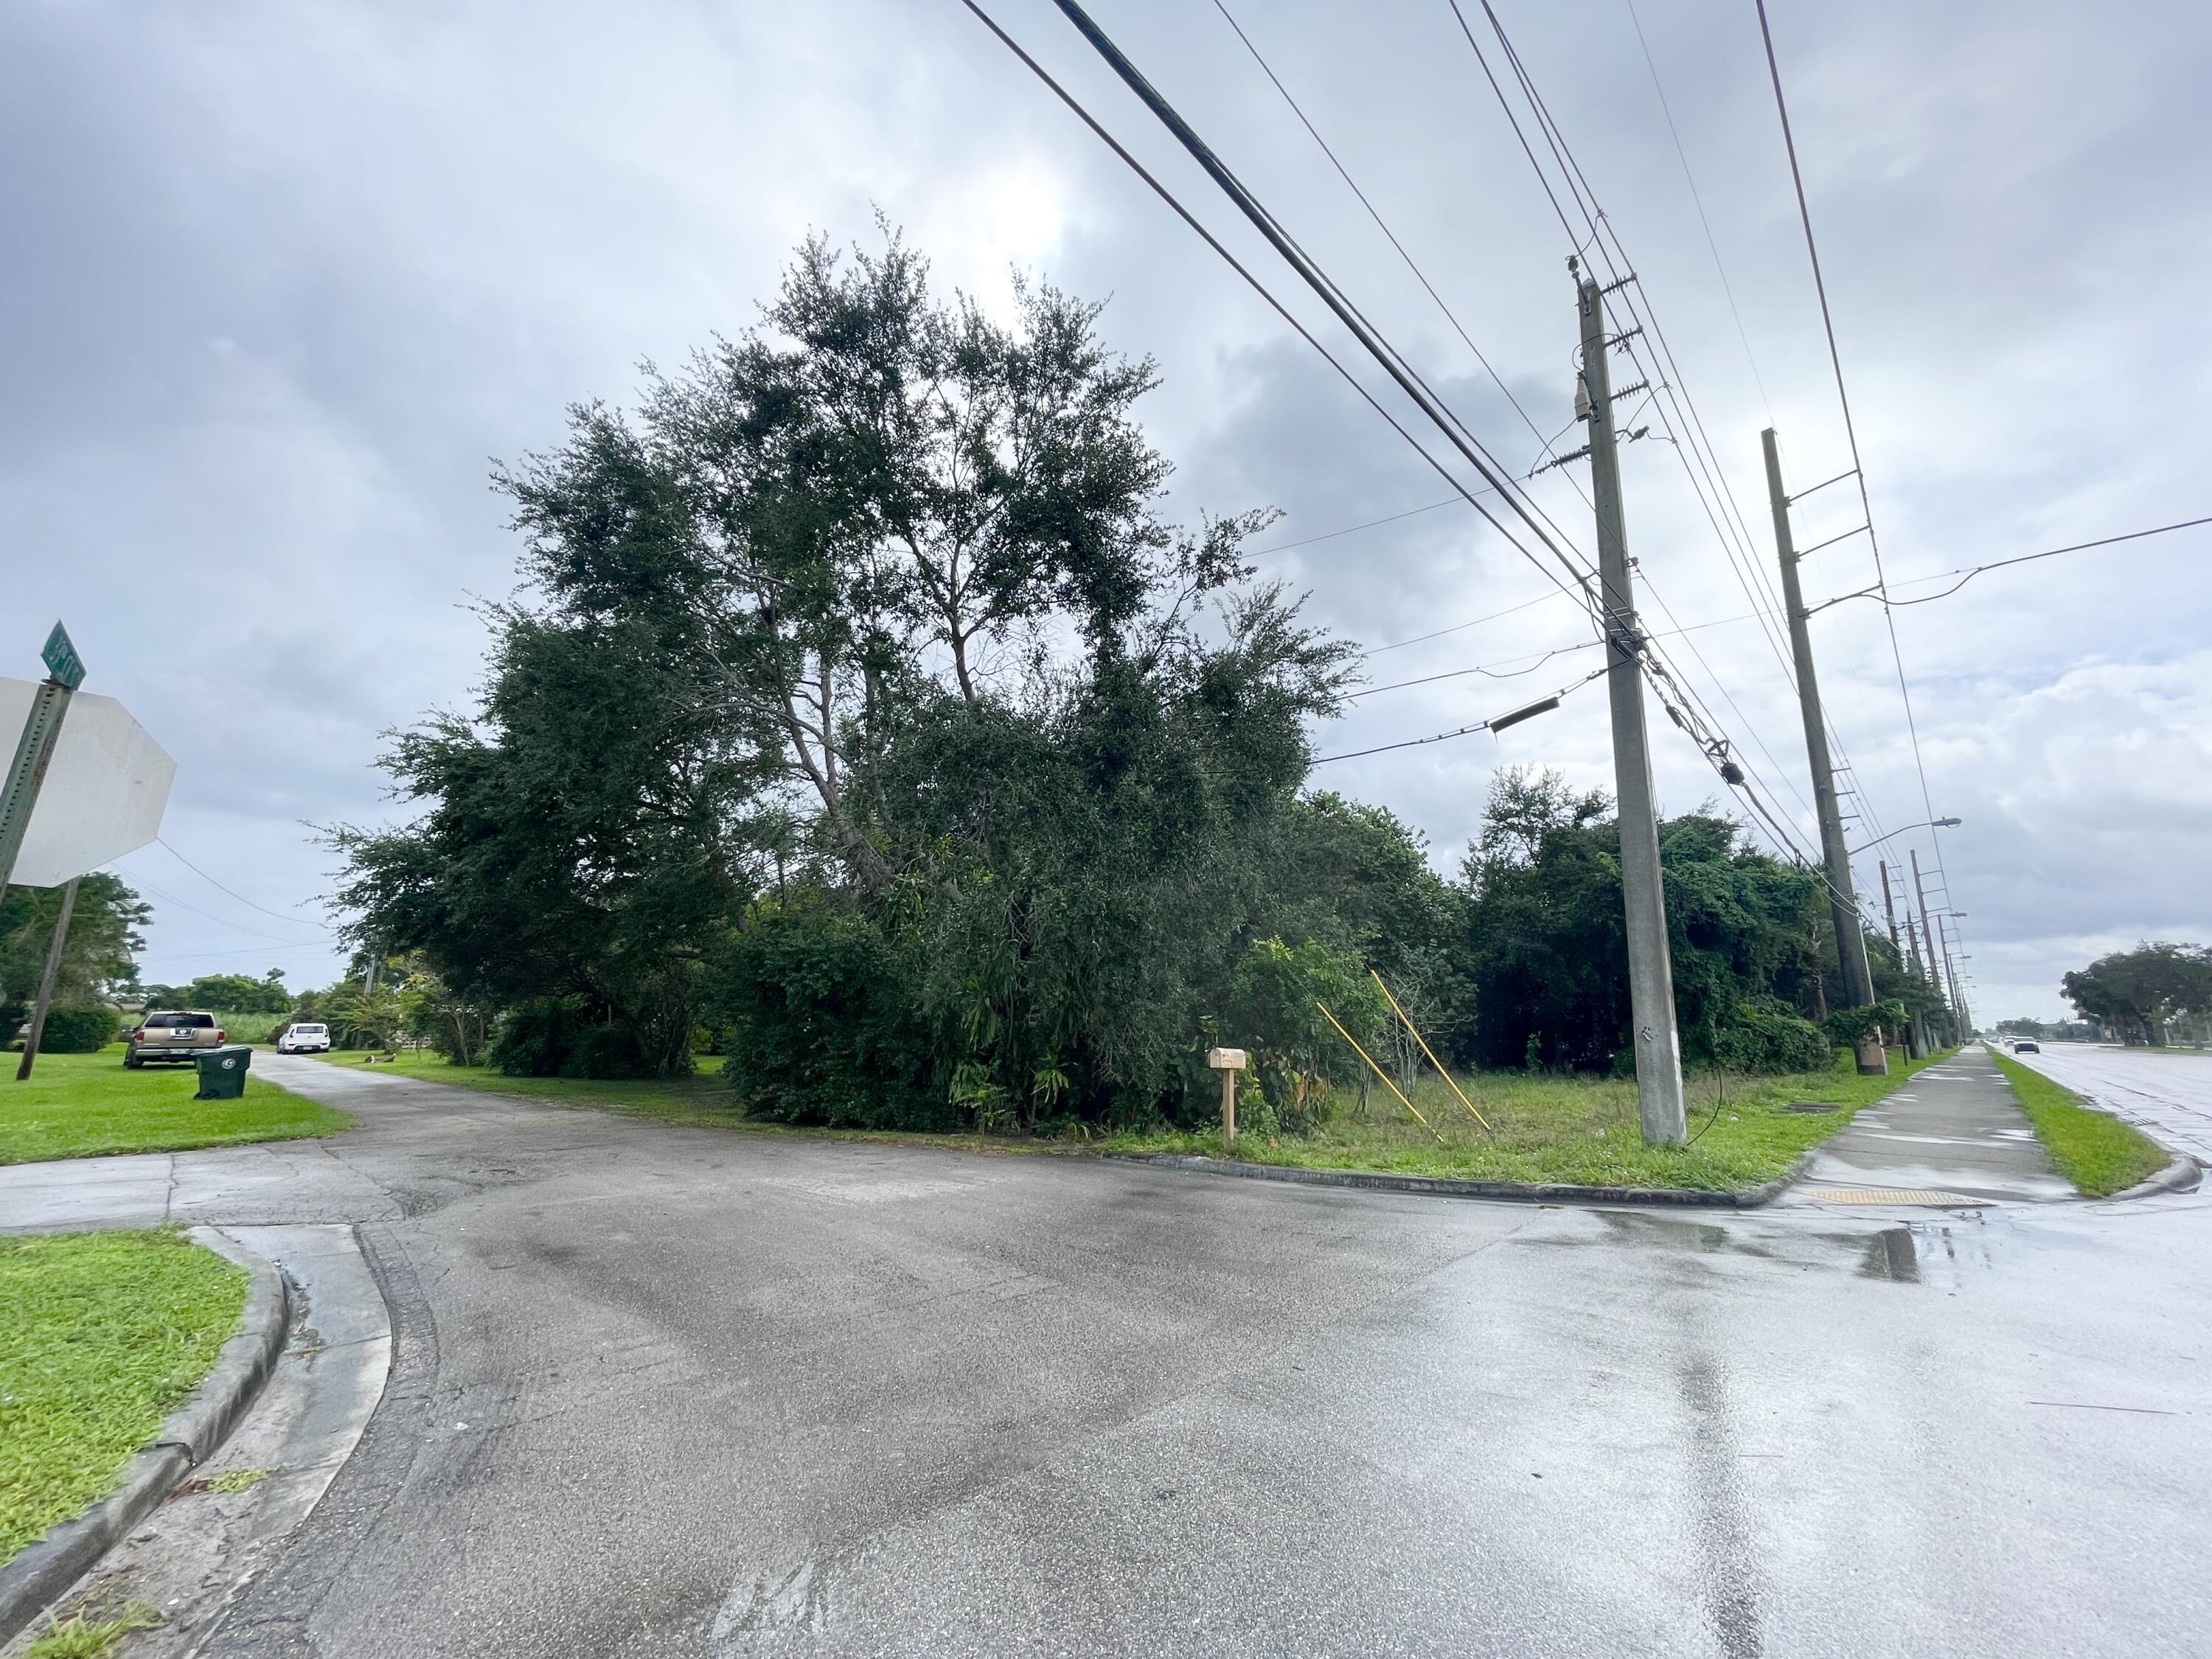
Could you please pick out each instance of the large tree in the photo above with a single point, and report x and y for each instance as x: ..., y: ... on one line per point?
x: 875, y: 528
x: 1545, y: 954
x: 2134, y: 994
x: 99, y: 956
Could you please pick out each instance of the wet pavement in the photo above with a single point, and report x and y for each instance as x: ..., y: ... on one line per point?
x: 660, y: 1391
x: 2167, y: 1093
x: 1952, y: 1133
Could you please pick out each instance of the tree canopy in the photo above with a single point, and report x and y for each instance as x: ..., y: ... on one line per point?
x: 99, y: 956
x: 864, y: 714
x: 2135, y: 993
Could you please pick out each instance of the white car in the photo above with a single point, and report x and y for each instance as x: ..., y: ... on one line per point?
x: 303, y: 1039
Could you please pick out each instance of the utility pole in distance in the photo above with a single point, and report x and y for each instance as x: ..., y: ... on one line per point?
x: 1951, y: 976
x: 1643, y: 900
x: 1915, y: 1048
x: 1928, y: 940
x: 1843, y: 902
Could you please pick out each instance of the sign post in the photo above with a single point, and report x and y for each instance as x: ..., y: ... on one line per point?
x: 35, y: 750
x: 73, y: 800
x: 38, y: 1029
x: 1228, y: 1062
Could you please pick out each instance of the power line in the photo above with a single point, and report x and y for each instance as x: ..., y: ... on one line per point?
x: 297, y: 921
x: 1407, y: 380
x: 1578, y: 187
x: 1690, y: 179
x: 1350, y: 530
x: 1850, y: 431
x: 1971, y: 571
x: 1494, y: 723
x: 1419, y: 276
x: 1716, y: 748
x: 1488, y: 670
x: 1460, y: 628
x: 254, y: 933
x: 1700, y: 460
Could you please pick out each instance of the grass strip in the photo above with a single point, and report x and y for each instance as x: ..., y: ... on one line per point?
x: 105, y: 1334
x: 1578, y: 1130
x: 88, y: 1105
x: 2092, y: 1149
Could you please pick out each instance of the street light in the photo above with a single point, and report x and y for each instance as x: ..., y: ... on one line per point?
x: 1932, y: 823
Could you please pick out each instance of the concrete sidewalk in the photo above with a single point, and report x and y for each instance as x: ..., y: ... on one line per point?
x: 1953, y: 1135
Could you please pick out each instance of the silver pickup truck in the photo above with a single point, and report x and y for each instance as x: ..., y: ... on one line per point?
x: 183, y: 1036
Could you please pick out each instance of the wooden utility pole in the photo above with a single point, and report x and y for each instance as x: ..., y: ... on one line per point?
x: 1843, y: 900
x: 1657, y: 1045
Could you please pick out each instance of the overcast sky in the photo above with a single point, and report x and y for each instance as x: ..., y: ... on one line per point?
x: 283, y: 281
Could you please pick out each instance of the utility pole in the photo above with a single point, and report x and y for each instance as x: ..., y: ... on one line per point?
x: 1912, y: 940
x: 1951, y: 976
x: 1643, y: 900
x: 1842, y: 901
x: 1928, y: 937
x: 1916, y: 1044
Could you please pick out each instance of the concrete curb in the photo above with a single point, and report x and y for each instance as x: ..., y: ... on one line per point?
x: 2181, y: 1176
x: 1749, y: 1198
x: 42, y: 1571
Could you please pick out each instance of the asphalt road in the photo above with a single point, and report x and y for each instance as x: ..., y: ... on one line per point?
x: 2168, y: 1091
x: 683, y: 1392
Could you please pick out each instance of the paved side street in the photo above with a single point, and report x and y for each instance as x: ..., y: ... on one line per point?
x: 659, y: 1391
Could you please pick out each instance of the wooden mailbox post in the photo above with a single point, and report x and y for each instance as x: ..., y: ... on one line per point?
x: 1228, y: 1062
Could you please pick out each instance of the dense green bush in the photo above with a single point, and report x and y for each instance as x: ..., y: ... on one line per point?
x: 822, y: 1025
x: 1765, y: 1035
x: 1852, y: 1026
x: 563, y: 1036
x: 80, y: 1030
x: 1275, y: 1002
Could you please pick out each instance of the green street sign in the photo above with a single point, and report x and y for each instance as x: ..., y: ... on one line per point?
x: 61, y: 659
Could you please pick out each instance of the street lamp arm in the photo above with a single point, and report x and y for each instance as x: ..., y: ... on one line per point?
x: 1930, y: 823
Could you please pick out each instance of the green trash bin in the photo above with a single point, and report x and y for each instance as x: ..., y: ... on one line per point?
x: 222, y: 1072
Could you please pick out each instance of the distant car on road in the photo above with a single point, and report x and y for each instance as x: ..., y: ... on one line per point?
x: 172, y: 1035
x: 302, y: 1038
x: 2026, y: 1047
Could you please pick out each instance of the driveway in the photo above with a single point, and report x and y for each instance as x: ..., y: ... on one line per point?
x: 2168, y: 1091
x: 661, y: 1391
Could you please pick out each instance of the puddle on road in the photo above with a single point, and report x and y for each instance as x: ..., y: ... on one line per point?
x: 1728, y: 1546
x: 1891, y: 1254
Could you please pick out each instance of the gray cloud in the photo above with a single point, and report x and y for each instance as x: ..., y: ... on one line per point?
x: 283, y: 280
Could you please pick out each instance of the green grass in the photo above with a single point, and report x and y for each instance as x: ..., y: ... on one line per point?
x: 86, y: 1105
x: 106, y: 1333
x: 83, y: 1636
x: 1578, y: 1130
x: 1581, y: 1131
x: 2092, y: 1149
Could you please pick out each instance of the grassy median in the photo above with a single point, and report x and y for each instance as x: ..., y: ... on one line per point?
x: 86, y: 1105
x: 1565, y: 1130
x: 101, y: 1335
x: 2092, y: 1149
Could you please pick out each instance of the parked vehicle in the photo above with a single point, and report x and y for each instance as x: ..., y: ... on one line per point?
x: 172, y: 1035
x: 304, y: 1038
